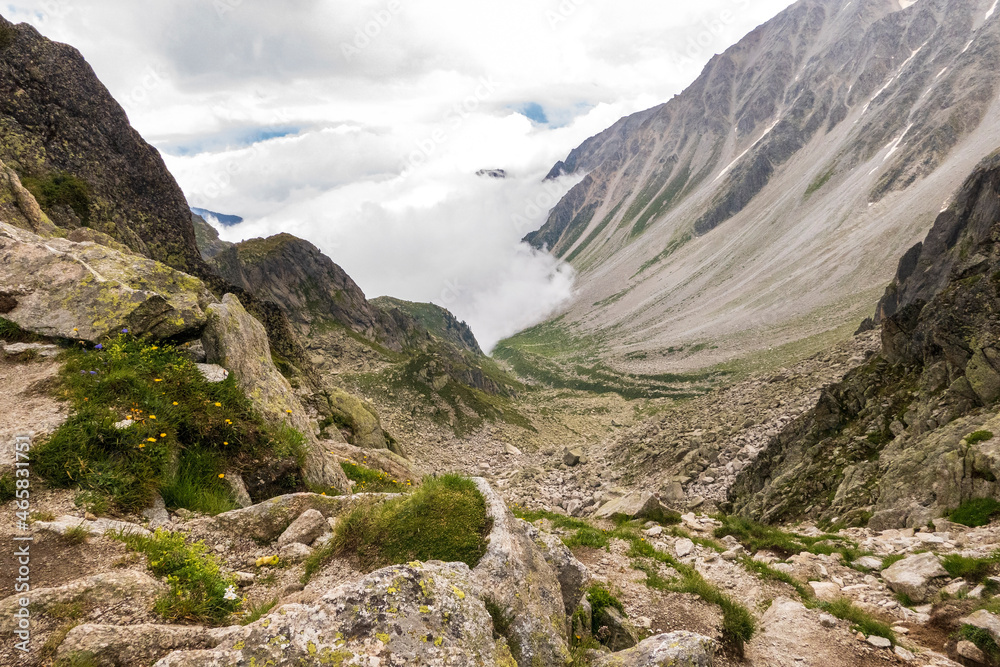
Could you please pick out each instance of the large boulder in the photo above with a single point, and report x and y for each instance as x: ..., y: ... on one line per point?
x: 238, y: 342
x: 415, y: 614
x: 124, y: 645
x: 58, y: 288
x: 635, y: 505
x: 574, y: 577
x: 984, y: 620
x: 673, y: 649
x: 918, y: 577
x: 515, y: 576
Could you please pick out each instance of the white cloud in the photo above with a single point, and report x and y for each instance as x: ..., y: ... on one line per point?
x: 377, y: 142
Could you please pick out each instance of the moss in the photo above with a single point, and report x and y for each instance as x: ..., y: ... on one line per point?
x: 982, y: 639
x: 61, y: 189
x: 819, y: 182
x: 978, y: 436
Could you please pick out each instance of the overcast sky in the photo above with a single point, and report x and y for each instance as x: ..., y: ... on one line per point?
x: 360, y: 125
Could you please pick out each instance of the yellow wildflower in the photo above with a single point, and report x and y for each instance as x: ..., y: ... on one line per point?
x: 222, y: 475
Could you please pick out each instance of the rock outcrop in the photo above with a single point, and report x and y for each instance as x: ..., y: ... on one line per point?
x: 85, y: 291
x: 123, y: 645
x: 919, y: 577
x: 415, y: 614
x: 673, y: 649
x: 61, y: 128
x: 235, y: 340
x: 890, y: 442
x: 515, y: 576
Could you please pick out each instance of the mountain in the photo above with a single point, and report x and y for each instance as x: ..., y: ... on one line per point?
x: 437, y: 320
x: 894, y: 443
x: 767, y: 203
x: 224, y: 220
x: 207, y: 238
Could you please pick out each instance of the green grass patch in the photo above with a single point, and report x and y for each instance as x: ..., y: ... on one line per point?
x: 12, y: 333
x: 756, y: 536
x: 978, y: 436
x: 859, y: 618
x: 600, y: 598
x: 255, y: 612
x: 371, y: 481
x: 819, y: 182
x: 976, y: 512
x: 444, y: 519
x: 76, y: 535
x: 890, y: 560
x: 61, y: 189
x: 210, y: 427
x: 198, y: 590
x: 970, y: 569
x: 982, y: 639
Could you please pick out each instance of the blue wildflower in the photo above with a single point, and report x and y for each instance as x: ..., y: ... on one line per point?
x: 124, y: 330
x: 98, y: 347
x: 93, y: 372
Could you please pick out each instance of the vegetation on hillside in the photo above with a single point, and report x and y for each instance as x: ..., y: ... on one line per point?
x: 177, y: 434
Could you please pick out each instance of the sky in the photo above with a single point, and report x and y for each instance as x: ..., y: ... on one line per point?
x: 360, y: 125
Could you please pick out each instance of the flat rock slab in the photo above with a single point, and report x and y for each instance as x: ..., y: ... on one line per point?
x: 97, y: 527
x: 98, y: 590
x: 635, y: 505
x: 86, y: 291
x: 113, y: 645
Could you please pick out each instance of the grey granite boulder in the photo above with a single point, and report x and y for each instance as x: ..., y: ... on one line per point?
x: 573, y: 576
x: 122, y: 645
x: 673, y: 649
x: 417, y: 614
x: 918, y: 576
x: 85, y: 291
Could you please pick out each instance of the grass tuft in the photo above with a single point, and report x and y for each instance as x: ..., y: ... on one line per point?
x: 76, y: 535
x: 978, y: 436
x: 255, y: 612
x: 8, y: 487
x: 371, y: 481
x: 976, y: 512
x: 444, y: 519
x: 970, y: 569
x: 859, y: 618
x: 756, y: 536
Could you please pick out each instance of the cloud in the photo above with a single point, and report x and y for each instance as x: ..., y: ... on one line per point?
x: 359, y: 125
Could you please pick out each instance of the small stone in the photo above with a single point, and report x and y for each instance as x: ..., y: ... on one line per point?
x: 244, y: 578
x: 683, y: 547
x: 968, y: 650
x: 89, y: 517
x: 869, y: 563
x: 903, y: 654
x: 571, y: 457
x: 212, y: 373
x: 654, y: 531
x: 306, y: 528
x: 826, y: 591
x: 294, y: 553
x: 512, y: 450
x: 828, y: 620
x: 879, y: 642
x: 900, y: 630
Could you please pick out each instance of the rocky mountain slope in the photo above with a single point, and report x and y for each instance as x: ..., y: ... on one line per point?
x: 822, y: 144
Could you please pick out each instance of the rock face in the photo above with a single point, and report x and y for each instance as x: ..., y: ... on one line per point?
x: 673, y: 649
x: 573, y: 576
x: 51, y: 106
x: 207, y: 238
x: 416, y: 614
x: 918, y: 576
x: 18, y: 207
x: 889, y: 440
x: 437, y: 320
x: 235, y: 340
x: 311, y: 289
x: 61, y: 289
x: 304, y: 529
x: 515, y: 575
x: 827, y: 107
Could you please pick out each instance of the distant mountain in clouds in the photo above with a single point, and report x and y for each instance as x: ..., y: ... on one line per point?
x: 224, y: 220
